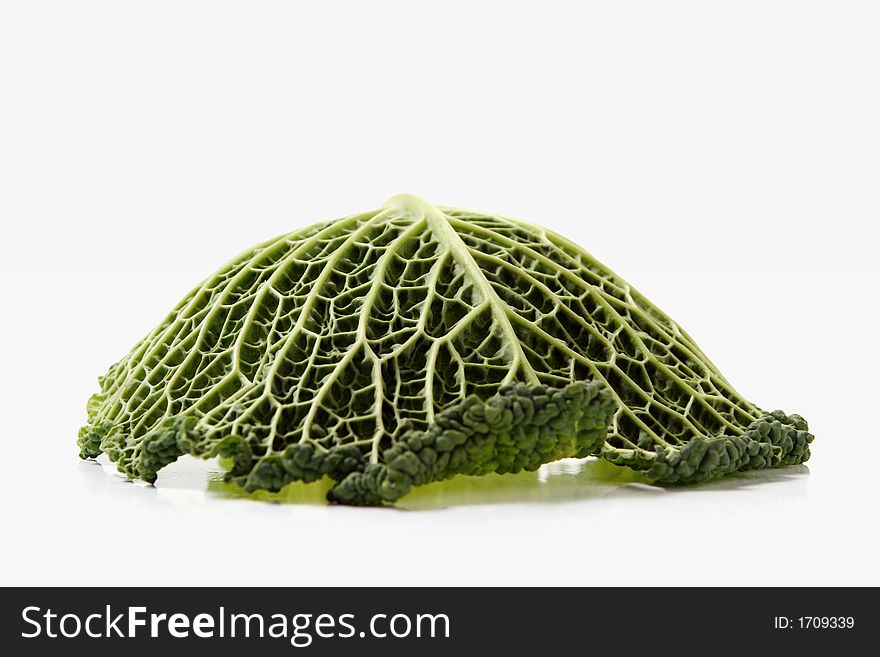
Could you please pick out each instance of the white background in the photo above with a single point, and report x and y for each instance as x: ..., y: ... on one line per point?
x: 723, y: 157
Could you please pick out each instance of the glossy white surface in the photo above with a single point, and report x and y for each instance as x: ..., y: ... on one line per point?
x: 570, y: 523
x: 737, y: 191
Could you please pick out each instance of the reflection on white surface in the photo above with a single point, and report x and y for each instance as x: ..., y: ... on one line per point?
x: 567, y: 480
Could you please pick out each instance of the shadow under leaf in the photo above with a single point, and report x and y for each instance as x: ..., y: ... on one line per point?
x: 568, y: 480
x: 565, y: 480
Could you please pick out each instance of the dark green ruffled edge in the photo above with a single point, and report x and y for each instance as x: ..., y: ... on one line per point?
x: 520, y: 428
x: 774, y: 440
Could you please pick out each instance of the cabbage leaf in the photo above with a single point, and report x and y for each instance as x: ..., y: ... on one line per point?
x: 413, y: 343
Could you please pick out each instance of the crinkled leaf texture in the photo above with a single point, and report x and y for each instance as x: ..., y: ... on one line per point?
x: 413, y: 343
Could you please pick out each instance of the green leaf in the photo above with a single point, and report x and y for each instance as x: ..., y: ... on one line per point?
x: 413, y: 343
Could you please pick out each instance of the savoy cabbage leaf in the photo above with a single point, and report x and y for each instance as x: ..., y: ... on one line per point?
x: 412, y: 343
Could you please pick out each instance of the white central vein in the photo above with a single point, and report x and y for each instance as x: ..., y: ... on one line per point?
x: 446, y: 235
